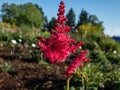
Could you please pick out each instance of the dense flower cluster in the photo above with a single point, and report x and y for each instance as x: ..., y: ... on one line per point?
x: 61, y: 18
x: 60, y: 45
x: 76, y: 63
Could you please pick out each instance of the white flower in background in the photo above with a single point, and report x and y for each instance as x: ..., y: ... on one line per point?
x: 14, y: 41
x: 80, y: 47
x: 1, y: 44
x: 115, y: 52
x: 19, y: 40
x: 33, y: 45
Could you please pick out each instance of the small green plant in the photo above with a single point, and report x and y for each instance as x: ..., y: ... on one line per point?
x: 6, y: 67
x: 45, y: 64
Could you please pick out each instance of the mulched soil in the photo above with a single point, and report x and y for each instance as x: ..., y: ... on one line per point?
x: 28, y: 75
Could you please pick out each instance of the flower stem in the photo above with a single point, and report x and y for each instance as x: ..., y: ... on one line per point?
x: 68, y: 83
x: 83, y: 85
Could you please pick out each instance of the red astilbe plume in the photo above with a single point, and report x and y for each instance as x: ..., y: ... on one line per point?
x: 61, y: 18
x: 76, y: 63
x: 60, y: 45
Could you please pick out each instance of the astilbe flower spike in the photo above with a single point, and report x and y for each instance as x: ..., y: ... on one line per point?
x: 76, y: 63
x: 60, y: 45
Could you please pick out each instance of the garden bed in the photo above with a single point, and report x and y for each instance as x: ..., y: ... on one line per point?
x: 26, y: 75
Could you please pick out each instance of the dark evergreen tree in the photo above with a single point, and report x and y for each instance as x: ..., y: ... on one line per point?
x: 71, y: 19
x: 92, y: 20
x: 51, y: 23
x: 83, y: 18
x: 45, y: 26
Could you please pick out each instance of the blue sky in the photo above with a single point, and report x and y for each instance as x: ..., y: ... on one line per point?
x: 107, y: 11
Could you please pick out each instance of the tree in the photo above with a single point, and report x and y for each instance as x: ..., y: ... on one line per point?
x: 71, y: 19
x: 89, y: 23
x: 45, y: 26
x: 27, y: 14
x: 83, y: 17
x: 51, y: 23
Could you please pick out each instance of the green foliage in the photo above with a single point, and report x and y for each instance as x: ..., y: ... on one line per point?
x: 6, y: 67
x: 92, y: 72
x: 88, y: 23
x: 111, y: 49
x: 109, y: 44
x: 45, y: 64
x: 87, y: 78
x: 45, y: 34
x: 113, y: 56
x: 95, y: 36
x: 27, y: 14
x: 6, y: 26
x: 6, y: 36
x: 86, y: 29
x: 104, y: 53
x: 26, y: 42
x: 91, y: 77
